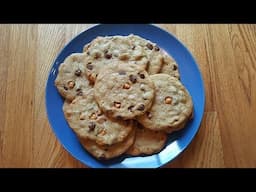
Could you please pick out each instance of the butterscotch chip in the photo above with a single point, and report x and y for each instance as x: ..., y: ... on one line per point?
x: 71, y: 84
x: 126, y: 86
x: 168, y: 100
x: 117, y: 104
x: 93, y: 116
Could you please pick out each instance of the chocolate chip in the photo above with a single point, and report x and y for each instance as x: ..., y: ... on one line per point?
x: 149, y: 46
x: 88, y: 53
x: 130, y: 108
x: 78, y: 90
x: 108, y: 55
x: 97, y: 55
x: 142, y: 76
x: 118, y: 117
x: 65, y: 88
x: 80, y: 93
x: 99, y: 113
x: 174, y: 67
x: 78, y: 72
x: 89, y: 66
x: 141, y: 107
x: 133, y: 78
x: 157, y: 48
x: 133, y: 47
x: 91, y: 126
x: 149, y: 115
x: 121, y: 72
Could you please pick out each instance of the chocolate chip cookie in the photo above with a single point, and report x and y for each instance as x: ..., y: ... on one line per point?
x: 170, y: 67
x: 108, y: 151
x: 71, y: 80
x: 137, y: 50
x: 147, y: 142
x: 124, y: 90
x: 88, y: 121
x: 171, y: 107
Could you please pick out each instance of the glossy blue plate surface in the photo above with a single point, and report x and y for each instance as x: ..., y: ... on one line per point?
x: 190, y: 77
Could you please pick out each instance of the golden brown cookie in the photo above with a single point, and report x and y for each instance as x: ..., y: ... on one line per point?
x: 170, y: 67
x: 171, y: 107
x: 147, y: 142
x: 108, y: 151
x: 87, y: 120
x: 124, y: 90
x: 71, y: 80
x: 132, y: 48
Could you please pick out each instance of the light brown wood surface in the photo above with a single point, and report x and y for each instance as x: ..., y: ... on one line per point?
x: 226, y: 55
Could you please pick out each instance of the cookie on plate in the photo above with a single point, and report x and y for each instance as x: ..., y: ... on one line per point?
x: 71, y: 80
x: 172, y: 105
x: 147, y: 142
x: 87, y: 120
x: 124, y: 90
x: 108, y: 151
x: 103, y: 50
x: 170, y: 67
x: 153, y: 53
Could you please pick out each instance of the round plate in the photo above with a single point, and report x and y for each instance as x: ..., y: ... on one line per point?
x: 190, y: 77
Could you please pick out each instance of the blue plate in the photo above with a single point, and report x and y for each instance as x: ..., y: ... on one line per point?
x: 190, y: 77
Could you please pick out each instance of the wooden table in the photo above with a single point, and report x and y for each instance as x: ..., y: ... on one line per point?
x: 226, y: 55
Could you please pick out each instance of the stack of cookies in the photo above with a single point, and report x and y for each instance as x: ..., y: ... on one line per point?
x: 123, y: 95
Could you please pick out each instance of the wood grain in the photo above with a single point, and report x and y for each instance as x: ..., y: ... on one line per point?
x: 226, y: 55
